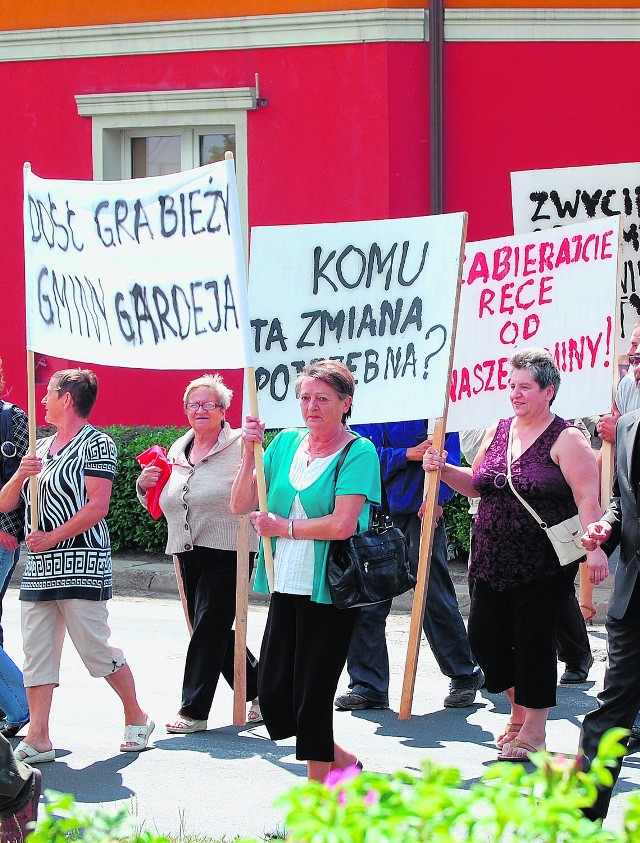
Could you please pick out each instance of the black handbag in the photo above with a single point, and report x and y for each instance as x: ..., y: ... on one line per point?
x: 369, y: 567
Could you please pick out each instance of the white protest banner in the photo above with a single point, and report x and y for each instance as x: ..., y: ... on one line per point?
x: 146, y: 273
x: 378, y: 295
x: 564, y: 196
x: 553, y: 289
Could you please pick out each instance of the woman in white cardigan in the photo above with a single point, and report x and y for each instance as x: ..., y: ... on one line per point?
x: 203, y: 535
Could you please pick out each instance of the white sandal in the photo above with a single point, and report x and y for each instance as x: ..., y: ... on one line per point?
x: 136, y: 738
x: 255, y: 715
x: 184, y: 725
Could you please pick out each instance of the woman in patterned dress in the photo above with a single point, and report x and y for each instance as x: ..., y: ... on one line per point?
x: 519, y: 586
x: 67, y: 578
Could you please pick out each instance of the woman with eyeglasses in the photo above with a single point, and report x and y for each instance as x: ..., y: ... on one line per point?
x: 203, y: 535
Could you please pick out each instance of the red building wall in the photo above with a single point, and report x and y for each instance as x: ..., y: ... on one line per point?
x: 319, y: 152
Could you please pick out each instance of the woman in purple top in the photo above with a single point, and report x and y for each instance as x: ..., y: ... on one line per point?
x: 519, y: 585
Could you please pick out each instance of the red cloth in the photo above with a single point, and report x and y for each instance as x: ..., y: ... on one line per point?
x: 155, y: 455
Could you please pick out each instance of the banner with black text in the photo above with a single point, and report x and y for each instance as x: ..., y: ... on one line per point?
x: 146, y: 273
x: 379, y: 295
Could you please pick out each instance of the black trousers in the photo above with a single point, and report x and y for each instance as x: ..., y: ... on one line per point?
x: 209, y: 580
x: 304, y: 651
x: 619, y: 699
x: 573, y: 639
x: 513, y: 636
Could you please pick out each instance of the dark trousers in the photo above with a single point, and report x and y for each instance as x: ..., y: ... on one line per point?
x: 15, y: 780
x: 619, y: 699
x: 368, y: 660
x: 573, y: 639
x: 513, y: 635
x: 304, y: 650
x: 209, y: 579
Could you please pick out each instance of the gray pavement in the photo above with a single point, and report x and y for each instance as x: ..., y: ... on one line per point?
x: 224, y: 781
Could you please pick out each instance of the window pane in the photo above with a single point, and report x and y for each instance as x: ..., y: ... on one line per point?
x: 213, y: 147
x: 155, y: 156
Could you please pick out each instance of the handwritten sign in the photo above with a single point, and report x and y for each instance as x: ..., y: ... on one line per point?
x: 553, y: 289
x: 379, y: 295
x: 565, y: 196
x: 146, y: 273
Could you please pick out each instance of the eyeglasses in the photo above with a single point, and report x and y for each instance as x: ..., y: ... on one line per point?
x: 634, y: 359
x: 206, y: 405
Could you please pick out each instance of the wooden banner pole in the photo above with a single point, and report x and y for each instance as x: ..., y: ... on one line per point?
x: 432, y: 488
x: 242, y: 612
x: 432, y: 483
x: 242, y: 577
x: 31, y: 411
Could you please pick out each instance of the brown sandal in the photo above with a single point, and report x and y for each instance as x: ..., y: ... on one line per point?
x: 526, y: 749
x: 588, y: 612
x: 509, y: 729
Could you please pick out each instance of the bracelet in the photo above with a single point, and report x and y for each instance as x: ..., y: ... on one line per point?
x: 290, y: 530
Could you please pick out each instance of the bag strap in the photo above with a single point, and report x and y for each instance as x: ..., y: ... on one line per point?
x: 384, y: 507
x: 529, y: 509
x: 6, y: 435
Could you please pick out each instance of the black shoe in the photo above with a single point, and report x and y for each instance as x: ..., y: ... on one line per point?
x: 633, y: 744
x: 356, y: 702
x: 578, y: 673
x: 11, y: 730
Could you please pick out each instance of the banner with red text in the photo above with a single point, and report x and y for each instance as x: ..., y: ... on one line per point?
x: 146, y: 273
x: 554, y: 289
x: 543, y: 199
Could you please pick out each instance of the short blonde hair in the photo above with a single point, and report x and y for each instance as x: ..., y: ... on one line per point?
x: 214, y: 383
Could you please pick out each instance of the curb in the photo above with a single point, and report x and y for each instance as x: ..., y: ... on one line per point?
x: 153, y: 576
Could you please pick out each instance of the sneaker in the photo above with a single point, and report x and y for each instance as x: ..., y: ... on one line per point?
x: 356, y: 702
x: 15, y: 827
x: 463, y: 697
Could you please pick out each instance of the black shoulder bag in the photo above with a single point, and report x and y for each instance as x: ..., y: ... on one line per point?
x: 369, y: 567
x: 9, y: 460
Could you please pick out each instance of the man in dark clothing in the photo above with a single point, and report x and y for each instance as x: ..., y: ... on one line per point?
x: 400, y: 446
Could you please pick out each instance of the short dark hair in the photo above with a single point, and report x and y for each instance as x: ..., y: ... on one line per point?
x: 82, y: 386
x: 334, y: 373
x: 542, y: 366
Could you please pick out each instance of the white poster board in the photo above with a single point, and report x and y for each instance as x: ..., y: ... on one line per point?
x: 378, y: 295
x: 146, y: 273
x: 553, y: 289
x: 564, y: 196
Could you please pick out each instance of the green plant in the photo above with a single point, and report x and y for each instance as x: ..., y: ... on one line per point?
x: 508, y: 804
x: 64, y: 821
x: 458, y: 521
x: 130, y: 525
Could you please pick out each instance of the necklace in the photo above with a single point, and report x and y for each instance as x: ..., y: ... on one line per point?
x: 325, y: 448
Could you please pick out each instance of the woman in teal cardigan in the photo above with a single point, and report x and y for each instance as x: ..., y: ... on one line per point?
x: 304, y: 648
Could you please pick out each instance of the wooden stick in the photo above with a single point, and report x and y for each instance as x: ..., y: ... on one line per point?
x: 432, y: 484
x: 31, y: 412
x: 260, y: 478
x: 183, y: 596
x: 242, y: 611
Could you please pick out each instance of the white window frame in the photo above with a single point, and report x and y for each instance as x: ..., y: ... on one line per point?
x: 117, y: 117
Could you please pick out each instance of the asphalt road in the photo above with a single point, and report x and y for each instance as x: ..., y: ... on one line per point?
x: 224, y: 781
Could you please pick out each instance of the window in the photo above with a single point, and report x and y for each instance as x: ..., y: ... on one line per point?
x: 147, y: 134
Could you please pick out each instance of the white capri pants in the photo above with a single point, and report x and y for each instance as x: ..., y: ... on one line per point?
x: 44, y: 625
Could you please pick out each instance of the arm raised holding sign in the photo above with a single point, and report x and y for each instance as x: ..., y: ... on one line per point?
x: 520, y: 587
